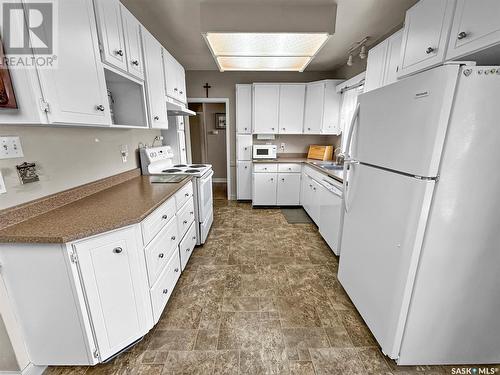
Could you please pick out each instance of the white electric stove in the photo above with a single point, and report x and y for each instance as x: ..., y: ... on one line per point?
x: 159, y: 161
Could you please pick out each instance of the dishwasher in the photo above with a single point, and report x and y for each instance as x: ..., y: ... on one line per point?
x: 330, y: 212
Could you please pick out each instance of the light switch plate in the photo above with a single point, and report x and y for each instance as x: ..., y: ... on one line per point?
x: 3, y: 189
x: 10, y: 147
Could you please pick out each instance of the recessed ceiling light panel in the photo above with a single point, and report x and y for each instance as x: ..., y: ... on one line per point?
x: 265, y: 51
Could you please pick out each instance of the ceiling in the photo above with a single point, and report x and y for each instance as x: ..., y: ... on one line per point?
x: 176, y: 24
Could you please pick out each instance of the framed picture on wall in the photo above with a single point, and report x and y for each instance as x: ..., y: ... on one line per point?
x: 220, y: 120
x: 7, y: 97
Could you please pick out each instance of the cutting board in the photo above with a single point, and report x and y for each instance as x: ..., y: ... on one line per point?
x: 320, y: 152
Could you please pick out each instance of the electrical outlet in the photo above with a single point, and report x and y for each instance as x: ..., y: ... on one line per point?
x: 3, y: 188
x: 10, y: 147
x: 124, y: 153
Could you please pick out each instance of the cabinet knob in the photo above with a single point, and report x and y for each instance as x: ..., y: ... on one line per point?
x: 283, y: 179
x: 194, y: 238
x: 135, y: 62
x: 272, y: 179
x: 185, y: 222
x: 173, y: 238
x: 187, y: 194
x: 462, y: 35
x: 119, y: 52
x: 246, y: 166
x: 164, y: 217
x: 188, y: 250
x: 181, y: 92
x: 165, y: 291
x: 161, y: 255
x: 429, y: 50
x: 100, y: 107
x: 117, y: 250
x: 272, y: 128
x: 175, y: 89
x: 308, y: 128
x: 156, y: 118
x: 284, y: 129
x: 246, y: 128
x: 191, y: 213
x: 176, y: 270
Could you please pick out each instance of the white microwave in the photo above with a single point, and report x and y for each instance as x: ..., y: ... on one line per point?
x: 265, y: 151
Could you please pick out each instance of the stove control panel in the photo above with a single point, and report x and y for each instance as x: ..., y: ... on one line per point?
x: 159, y: 153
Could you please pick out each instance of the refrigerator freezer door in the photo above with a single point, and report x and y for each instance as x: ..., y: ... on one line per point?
x: 381, y: 242
x: 456, y: 300
x: 402, y: 126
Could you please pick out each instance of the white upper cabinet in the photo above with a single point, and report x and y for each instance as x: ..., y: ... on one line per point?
x: 476, y: 25
x: 111, y: 33
x: 244, y: 109
x: 175, y: 78
x: 383, y: 62
x: 132, y: 30
x: 266, y: 108
x: 75, y: 92
x: 291, y: 108
x: 322, y: 108
x: 425, y: 36
x: 155, y: 81
x: 116, y: 288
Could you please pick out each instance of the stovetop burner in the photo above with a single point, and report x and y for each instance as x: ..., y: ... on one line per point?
x: 192, y: 171
x: 180, y: 166
x: 197, y: 166
x: 171, y: 170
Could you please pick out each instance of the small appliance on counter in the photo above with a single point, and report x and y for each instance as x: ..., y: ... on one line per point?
x: 158, y: 161
x: 320, y: 152
x: 265, y: 151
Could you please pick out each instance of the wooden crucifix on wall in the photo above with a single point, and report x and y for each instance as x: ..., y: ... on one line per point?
x: 206, y: 87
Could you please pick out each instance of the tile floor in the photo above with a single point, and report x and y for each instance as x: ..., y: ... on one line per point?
x: 261, y: 297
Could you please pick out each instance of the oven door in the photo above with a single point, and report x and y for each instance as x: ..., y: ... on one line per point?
x: 205, y: 199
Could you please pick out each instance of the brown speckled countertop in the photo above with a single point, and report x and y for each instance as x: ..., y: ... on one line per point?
x: 124, y: 204
x: 336, y: 174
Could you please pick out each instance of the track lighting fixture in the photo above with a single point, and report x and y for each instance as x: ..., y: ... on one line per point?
x: 362, y: 50
x: 349, y: 60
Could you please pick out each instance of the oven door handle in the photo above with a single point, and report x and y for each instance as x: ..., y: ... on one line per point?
x: 207, y: 176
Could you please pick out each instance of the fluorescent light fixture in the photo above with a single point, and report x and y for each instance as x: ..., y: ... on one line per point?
x: 265, y: 51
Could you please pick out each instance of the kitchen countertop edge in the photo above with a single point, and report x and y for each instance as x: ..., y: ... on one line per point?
x: 334, y: 174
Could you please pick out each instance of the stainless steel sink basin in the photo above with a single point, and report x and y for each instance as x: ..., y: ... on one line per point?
x: 332, y: 167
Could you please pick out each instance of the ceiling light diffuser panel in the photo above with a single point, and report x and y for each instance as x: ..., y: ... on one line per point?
x: 265, y: 51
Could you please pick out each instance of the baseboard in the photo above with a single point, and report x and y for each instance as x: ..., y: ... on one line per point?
x: 219, y: 180
x: 31, y: 369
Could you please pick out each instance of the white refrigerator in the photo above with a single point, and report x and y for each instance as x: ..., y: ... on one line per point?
x: 421, y: 232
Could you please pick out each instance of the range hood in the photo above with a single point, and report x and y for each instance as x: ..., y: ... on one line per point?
x: 175, y: 108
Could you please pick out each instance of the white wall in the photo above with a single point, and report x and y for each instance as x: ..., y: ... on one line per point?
x: 68, y: 157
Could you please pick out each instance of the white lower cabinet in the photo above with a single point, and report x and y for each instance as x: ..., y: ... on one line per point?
x: 264, y: 189
x: 288, y: 189
x: 244, y: 180
x: 162, y: 289
x: 112, y: 271
x: 310, y: 197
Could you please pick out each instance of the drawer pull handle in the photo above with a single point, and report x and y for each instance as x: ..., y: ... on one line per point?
x: 164, y: 217
x: 165, y: 291
x: 117, y: 250
x: 185, y: 222
x: 176, y: 270
x: 173, y: 238
x: 161, y: 255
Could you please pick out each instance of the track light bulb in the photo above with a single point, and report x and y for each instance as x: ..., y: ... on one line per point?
x: 349, y: 61
x: 362, y: 52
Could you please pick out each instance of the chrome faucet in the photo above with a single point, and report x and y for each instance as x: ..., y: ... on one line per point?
x: 340, y: 157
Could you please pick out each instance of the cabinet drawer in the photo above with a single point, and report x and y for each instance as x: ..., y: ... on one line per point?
x: 265, y: 167
x: 244, y: 147
x: 183, y: 195
x: 157, y: 220
x: 162, y: 290
x: 289, y: 168
x: 159, y: 251
x: 187, y: 245
x: 185, y: 217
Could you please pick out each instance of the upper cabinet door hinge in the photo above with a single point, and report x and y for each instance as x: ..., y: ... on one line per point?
x: 44, y: 106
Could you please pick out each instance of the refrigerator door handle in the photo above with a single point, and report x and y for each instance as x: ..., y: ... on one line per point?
x: 348, y: 160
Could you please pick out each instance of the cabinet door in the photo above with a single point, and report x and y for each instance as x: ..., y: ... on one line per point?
x: 288, y: 189
x: 425, y: 36
x: 181, y: 138
x: 181, y: 82
x: 114, y: 278
x: 171, y: 75
x: 315, y: 205
x: 265, y: 108
x: 375, y: 66
x: 392, y: 58
x: 306, y: 192
x: 111, y: 33
x: 264, y: 189
x: 244, y: 180
x: 76, y: 89
x: 291, y: 108
x: 155, y: 81
x: 133, y: 43
x: 244, y: 109
x: 331, y: 109
x: 244, y: 147
x: 315, y: 99
x: 475, y: 26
